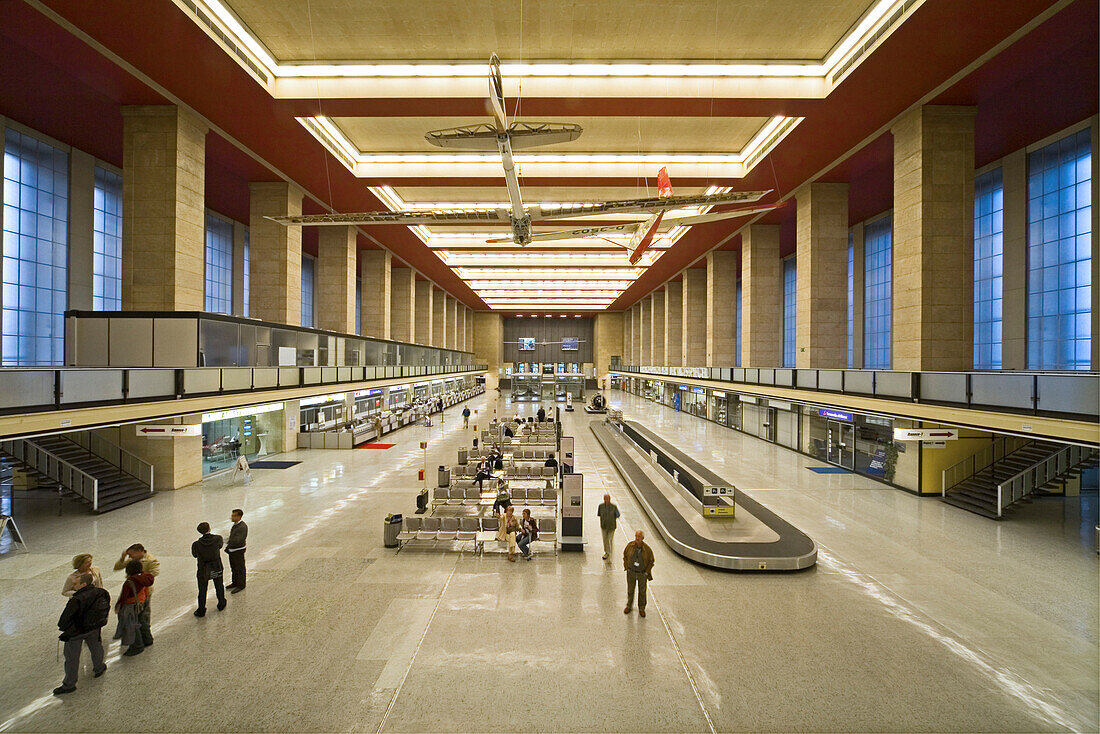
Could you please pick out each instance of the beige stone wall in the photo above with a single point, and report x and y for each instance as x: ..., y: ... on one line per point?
x: 403, y: 305
x: 425, y: 313
x: 695, y: 317
x: 673, y: 327
x: 470, y: 320
x: 636, y: 334
x: 376, y: 284
x: 177, y: 462
x: 608, y: 335
x: 334, y: 290
x: 452, y: 322
x: 933, y: 240
x: 163, y: 224
x: 460, y: 326
x: 822, y: 275
x: 657, y: 326
x: 275, y: 253
x: 645, y: 311
x: 761, y: 297
x: 628, y: 336
x: 489, y: 345
x: 721, y: 329
x: 81, y: 223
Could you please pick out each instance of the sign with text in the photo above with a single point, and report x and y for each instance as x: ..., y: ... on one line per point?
x: 836, y: 415
x: 169, y: 431
x: 925, y: 434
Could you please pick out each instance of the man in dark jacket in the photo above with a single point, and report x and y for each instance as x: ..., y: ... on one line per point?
x: 80, y: 623
x: 235, y: 548
x: 551, y: 461
x: 638, y: 562
x: 541, y: 414
x: 205, y: 550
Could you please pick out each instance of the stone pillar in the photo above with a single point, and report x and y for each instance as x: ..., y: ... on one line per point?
x: 857, y: 296
x: 275, y: 254
x: 489, y: 345
x: 439, y: 318
x: 933, y: 240
x: 460, y: 326
x: 674, y: 331
x: 608, y: 334
x: 424, y: 332
x: 470, y: 319
x: 240, y: 232
x: 377, y: 296
x: 822, y: 295
x: 1014, y: 262
x: 694, y: 316
x: 335, y: 286
x: 628, y: 345
x: 403, y: 305
x: 452, y: 322
x: 646, y: 312
x: 761, y: 297
x: 81, y: 229
x: 636, y: 333
x: 657, y: 326
x: 164, y: 219
x: 721, y: 324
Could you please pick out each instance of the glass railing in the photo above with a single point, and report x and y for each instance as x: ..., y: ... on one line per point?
x: 199, y: 339
x: 1063, y: 394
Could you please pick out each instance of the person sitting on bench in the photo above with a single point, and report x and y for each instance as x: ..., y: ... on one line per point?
x: 551, y: 461
x: 503, y: 500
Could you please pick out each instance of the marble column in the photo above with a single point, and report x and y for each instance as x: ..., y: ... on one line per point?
x: 646, y: 312
x: 375, y: 274
x: 425, y: 313
x: 674, y: 330
x: 403, y: 305
x: 721, y: 326
x: 335, y: 286
x: 439, y: 318
x: 761, y: 297
x: 695, y: 317
x: 657, y: 326
x: 275, y: 254
x: 822, y: 276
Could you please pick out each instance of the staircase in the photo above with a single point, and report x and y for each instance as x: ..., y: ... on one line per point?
x: 1007, y: 479
x: 86, y: 473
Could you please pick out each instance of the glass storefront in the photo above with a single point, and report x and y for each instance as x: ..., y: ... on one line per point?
x: 253, y: 431
x: 322, y: 412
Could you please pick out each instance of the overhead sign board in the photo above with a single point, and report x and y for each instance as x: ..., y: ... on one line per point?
x: 925, y: 434
x: 934, y: 444
x: 162, y: 430
x: 836, y: 415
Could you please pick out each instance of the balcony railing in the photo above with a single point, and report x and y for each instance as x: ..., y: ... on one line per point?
x: 1074, y: 395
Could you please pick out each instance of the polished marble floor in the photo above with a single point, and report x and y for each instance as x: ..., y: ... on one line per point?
x: 918, y: 616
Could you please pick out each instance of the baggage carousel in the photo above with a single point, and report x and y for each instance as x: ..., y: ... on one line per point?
x: 755, y: 539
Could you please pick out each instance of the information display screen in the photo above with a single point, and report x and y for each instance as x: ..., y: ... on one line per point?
x: 527, y: 344
x: 569, y: 343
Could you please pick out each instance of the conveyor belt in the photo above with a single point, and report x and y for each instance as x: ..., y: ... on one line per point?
x: 793, y: 550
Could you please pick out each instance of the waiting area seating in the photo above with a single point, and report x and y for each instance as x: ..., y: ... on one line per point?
x: 466, y: 529
x: 546, y: 496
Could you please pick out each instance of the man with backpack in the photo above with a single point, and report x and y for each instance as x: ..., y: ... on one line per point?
x: 466, y: 416
x: 80, y: 623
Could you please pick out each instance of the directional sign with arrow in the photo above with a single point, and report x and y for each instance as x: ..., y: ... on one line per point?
x: 169, y: 431
x: 925, y: 434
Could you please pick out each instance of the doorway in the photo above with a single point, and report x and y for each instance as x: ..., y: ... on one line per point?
x: 841, y: 444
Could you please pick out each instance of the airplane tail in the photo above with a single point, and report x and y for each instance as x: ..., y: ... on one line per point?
x: 664, y: 186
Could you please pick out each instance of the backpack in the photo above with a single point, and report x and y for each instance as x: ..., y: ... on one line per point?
x: 95, y: 614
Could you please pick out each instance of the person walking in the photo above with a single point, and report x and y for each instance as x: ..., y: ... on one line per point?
x: 541, y: 414
x: 609, y: 521
x: 465, y: 416
x: 82, y: 564
x: 133, y: 623
x: 638, y: 563
x: 80, y: 624
x: 149, y: 565
x: 209, y: 566
x: 234, y: 547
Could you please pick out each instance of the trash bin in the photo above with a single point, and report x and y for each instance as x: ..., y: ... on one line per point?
x: 444, y: 476
x: 390, y: 530
x: 463, y: 455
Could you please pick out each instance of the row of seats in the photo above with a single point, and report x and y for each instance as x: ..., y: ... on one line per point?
x: 466, y: 529
x: 474, y: 497
x: 519, y: 471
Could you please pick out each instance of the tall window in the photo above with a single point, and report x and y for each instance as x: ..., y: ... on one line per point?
x: 737, y: 352
x: 246, y: 275
x: 876, y: 294
x: 307, y: 291
x: 988, y: 259
x: 107, y: 241
x: 219, y: 264
x: 851, y: 295
x: 358, y: 306
x: 36, y: 241
x: 1059, y: 255
x: 790, y: 315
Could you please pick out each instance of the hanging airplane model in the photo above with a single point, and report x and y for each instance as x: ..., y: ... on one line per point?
x: 503, y: 137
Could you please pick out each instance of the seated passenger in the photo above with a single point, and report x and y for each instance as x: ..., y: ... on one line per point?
x: 529, y: 532
x: 503, y: 500
x: 509, y: 527
x: 551, y: 461
x: 498, y: 462
x: 508, y: 432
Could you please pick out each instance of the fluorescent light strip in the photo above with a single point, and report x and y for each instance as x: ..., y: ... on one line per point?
x: 541, y: 284
x: 549, y: 273
x: 538, y: 294
x: 531, y: 259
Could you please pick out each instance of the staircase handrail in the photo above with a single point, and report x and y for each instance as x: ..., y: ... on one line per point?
x: 126, y: 461
x: 44, y: 462
x: 980, y: 460
x: 1038, y: 474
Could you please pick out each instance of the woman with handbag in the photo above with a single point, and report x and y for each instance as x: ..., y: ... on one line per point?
x: 133, y: 626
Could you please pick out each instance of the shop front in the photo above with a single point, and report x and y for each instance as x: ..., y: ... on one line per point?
x: 369, y: 403
x: 322, y: 412
x: 252, y: 431
x: 861, y: 443
x: 398, y: 397
x: 693, y: 400
x: 718, y: 410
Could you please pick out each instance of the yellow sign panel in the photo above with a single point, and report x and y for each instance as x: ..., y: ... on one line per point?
x: 719, y: 511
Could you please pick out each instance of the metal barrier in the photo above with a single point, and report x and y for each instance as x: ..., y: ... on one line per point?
x: 959, y: 472
x: 115, y: 455
x: 59, y: 470
x: 1064, y: 394
x: 1036, y: 476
